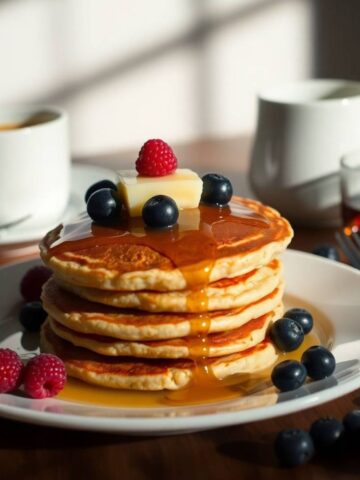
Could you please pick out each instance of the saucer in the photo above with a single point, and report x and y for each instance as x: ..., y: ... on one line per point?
x: 82, y: 176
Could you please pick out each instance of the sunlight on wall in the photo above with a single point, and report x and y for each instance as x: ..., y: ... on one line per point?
x: 128, y: 70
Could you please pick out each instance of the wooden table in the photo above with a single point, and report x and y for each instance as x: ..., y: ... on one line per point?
x: 239, y: 452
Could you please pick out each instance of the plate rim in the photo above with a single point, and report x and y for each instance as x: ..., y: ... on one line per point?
x: 162, y: 425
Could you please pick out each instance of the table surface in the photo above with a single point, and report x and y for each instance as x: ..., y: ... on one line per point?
x: 238, y: 452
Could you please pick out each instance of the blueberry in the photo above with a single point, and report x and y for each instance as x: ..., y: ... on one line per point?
x: 352, y: 422
x: 217, y: 189
x: 98, y: 186
x: 32, y: 316
x: 301, y: 316
x: 319, y: 362
x: 325, y: 432
x: 288, y: 375
x: 294, y: 447
x: 160, y: 211
x: 287, y: 334
x: 104, y: 205
x: 327, y: 251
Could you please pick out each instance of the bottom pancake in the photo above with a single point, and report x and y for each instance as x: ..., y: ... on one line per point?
x: 216, y: 344
x: 150, y: 374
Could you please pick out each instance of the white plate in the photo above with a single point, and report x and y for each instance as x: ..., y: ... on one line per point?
x: 82, y: 176
x: 330, y: 289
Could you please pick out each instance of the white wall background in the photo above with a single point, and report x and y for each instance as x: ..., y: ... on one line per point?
x: 129, y: 70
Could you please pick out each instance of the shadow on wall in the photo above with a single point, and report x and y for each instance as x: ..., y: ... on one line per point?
x: 196, y: 37
x: 216, y: 88
x: 336, y: 39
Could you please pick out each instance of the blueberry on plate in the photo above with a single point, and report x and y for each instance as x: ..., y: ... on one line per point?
x: 288, y: 375
x: 301, y: 316
x: 352, y: 422
x: 287, y: 334
x: 319, y: 362
x: 325, y: 432
x: 327, y: 251
x: 104, y: 205
x: 160, y: 211
x: 217, y: 190
x: 33, y: 281
x: 294, y: 447
x: 98, y: 186
x: 32, y: 316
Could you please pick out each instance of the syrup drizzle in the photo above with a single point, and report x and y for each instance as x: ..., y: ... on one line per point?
x: 202, y: 233
x: 198, y: 301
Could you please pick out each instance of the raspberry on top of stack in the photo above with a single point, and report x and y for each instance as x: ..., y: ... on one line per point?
x: 166, y: 282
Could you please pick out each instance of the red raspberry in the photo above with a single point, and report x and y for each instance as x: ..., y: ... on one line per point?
x: 44, y: 376
x: 32, y: 282
x: 156, y: 159
x: 11, y: 369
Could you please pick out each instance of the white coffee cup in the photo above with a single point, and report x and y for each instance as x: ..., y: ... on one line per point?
x: 303, y: 130
x: 34, y: 165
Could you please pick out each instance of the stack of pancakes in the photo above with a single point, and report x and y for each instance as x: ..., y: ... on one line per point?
x: 125, y: 314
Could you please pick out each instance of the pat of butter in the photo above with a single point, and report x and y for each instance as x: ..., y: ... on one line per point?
x: 184, y: 186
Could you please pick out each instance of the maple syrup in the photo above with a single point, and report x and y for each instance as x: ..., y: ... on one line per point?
x: 202, y: 233
x: 351, y: 213
x: 227, y: 389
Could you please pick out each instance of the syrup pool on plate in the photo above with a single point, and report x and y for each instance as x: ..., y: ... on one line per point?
x: 202, y: 391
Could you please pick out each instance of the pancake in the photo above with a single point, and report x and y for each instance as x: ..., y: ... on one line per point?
x: 150, y: 374
x: 87, y: 317
x: 223, y: 294
x: 208, y: 244
x: 216, y: 345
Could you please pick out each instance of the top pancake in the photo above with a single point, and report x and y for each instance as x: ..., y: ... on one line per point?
x: 208, y: 244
